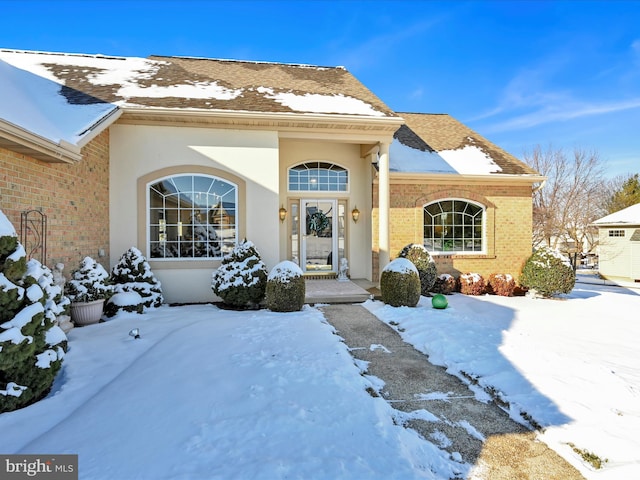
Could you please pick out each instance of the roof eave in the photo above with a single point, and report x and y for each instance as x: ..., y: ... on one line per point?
x: 28, y: 143
x: 36, y: 146
x: 529, y: 179
x: 239, y: 115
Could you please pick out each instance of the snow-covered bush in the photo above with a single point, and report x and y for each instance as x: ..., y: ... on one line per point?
x: 32, y: 346
x: 472, y: 284
x: 445, y: 284
x: 285, y: 288
x: 400, y: 283
x: 501, y: 284
x: 132, y: 275
x: 89, y: 282
x: 427, y: 270
x: 548, y: 272
x: 241, y: 279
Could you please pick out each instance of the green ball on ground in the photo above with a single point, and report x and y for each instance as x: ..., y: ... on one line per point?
x: 439, y: 301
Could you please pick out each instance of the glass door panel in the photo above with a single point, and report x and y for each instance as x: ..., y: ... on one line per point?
x: 319, y: 231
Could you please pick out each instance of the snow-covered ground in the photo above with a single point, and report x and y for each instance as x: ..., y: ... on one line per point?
x: 215, y: 394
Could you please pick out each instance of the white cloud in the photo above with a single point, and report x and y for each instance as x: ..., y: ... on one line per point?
x: 558, y: 112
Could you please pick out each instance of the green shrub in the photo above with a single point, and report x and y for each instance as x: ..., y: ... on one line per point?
x: 501, y: 284
x: 285, y: 290
x: 427, y: 270
x: 32, y: 346
x: 548, y: 272
x: 400, y: 283
x: 445, y: 284
x: 241, y: 279
x: 89, y: 282
x: 132, y: 274
x: 472, y: 284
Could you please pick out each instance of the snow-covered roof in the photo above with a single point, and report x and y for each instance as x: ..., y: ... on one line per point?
x: 626, y: 217
x: 66, y: 99
x: 43, y: 106
x: 203, y: 84
x: 438, y: 143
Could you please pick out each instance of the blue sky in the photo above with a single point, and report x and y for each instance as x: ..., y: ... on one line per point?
x: 564, y: 74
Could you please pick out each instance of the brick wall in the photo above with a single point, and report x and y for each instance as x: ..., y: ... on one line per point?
x: 508, y: 224
x: 74, y: 197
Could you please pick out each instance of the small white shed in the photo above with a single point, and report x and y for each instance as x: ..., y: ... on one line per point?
x: 619, y: 244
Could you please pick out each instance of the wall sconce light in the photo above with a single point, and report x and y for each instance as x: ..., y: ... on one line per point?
x: 282, y: 213
x: 355, y: 214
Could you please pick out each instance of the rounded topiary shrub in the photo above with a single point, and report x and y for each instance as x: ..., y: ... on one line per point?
x: 548, y: 272
x: 285, y: 288
x: 421, y: 258
x: 501, y: 284
x: 241, y: 279
x: 132, y: 274
x: 400, y: 283
x: 445, y: 284
x: 472, y: 284
x: 32, y: 346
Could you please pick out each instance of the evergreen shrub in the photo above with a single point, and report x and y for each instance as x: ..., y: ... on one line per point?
x: 132, y: 274
x: 501, y: 284
x: 472, y: 284
x: 548, y: 272
x: 445, y: 284
x: 32, y: 346
x: 89, y: 282
x: 241, y: 279
x: 400, y: 283
x: 427, y: 270
x: 285, y: 289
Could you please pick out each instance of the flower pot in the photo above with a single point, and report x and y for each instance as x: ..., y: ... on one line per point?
x: 86, y: 313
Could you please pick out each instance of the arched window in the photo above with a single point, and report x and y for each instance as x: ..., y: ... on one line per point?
x: 454, y: 226
x: 318, y: 177
x: 192, y: 217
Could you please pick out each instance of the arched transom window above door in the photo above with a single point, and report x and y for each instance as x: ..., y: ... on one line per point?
x: 318, y: 177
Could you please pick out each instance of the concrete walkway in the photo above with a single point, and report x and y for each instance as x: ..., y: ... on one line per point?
x: 481, y: 433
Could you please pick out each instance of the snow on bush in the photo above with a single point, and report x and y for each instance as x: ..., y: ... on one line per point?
x: 400, y: 283
x: 241, y: 279
x: 472, y: 284
x: 132, y: 275
x: 445, y: 284
x: 501, y: 284
x: 548, y: 272
x: 285, y: 290
x: 32, y: 346
x: 89, y: 282
x: 427, y: 270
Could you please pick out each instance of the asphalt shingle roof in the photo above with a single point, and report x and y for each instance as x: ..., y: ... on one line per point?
x: 441, y: 132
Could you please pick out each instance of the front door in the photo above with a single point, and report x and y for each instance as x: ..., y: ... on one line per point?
x: 319, y: 232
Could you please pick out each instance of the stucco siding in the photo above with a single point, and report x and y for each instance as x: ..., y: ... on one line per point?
x: 294, y: 152
x: 249, y: 158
